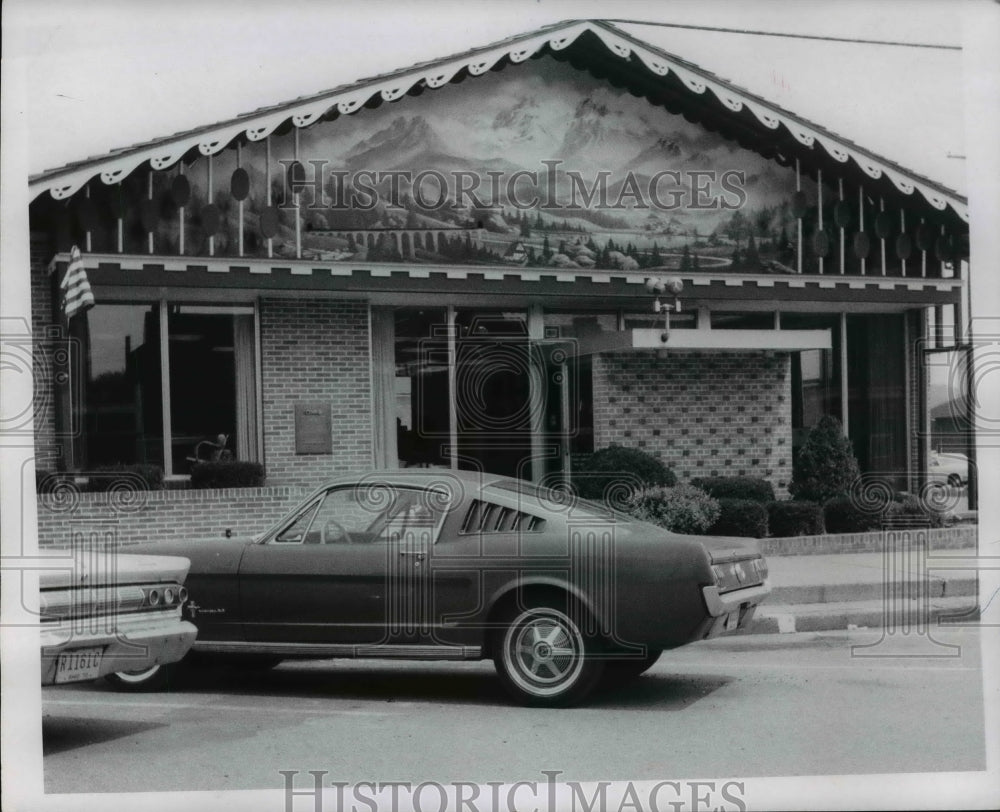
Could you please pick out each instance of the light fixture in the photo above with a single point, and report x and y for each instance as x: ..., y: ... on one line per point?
x: 670, y: 285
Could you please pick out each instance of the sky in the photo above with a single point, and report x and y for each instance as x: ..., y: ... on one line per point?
x: 111, y: 73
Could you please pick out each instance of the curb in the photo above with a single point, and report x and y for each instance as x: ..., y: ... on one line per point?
x: 873, y: 614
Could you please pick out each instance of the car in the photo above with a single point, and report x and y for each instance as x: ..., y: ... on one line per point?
x: 561, y: 593
x: 105, y: 613
x: 950, y: 469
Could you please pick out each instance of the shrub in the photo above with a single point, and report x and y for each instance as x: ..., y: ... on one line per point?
x: 740, y: 517
x: 736, y: 487
x: 795, y: 519
x: 682, y: 509
x: 842, y: 515
x: 825, y: 467
x: 227, y: 475
x: 910, y: 512
x: 143, y: 476
x: 617, y: 473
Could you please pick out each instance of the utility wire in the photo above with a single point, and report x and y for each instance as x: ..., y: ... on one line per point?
x: 932, y: 45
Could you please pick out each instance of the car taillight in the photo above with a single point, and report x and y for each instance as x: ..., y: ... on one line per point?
x: 164, y: 596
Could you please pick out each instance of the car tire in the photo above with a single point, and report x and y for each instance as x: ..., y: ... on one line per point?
x: 618, y: 672
x: 154, y: 678
x: 544, y: 657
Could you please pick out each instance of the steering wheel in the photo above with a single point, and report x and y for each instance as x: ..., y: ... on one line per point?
x: 327, y: 538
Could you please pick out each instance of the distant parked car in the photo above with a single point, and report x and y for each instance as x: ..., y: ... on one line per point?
x: 112, y: 614
x: 432, y: 564
x: 951, y: 469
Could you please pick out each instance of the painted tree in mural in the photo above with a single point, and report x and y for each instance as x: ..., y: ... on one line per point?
x: 685, y: 259
x: 751, y: 259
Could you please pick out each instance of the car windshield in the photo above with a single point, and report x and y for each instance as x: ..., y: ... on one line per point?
x: 561, y: 498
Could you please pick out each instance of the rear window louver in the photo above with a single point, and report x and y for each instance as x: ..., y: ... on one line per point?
x: 488, y: 517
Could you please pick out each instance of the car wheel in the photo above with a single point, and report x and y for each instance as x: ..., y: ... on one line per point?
x: 154, y: 678
x: 544, y: 658
x: 618, y: 672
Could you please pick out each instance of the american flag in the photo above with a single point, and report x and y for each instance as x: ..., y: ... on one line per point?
x: 77, y: 296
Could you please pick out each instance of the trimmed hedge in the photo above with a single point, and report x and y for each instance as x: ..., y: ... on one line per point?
x: 681, y: 509
x: 909, y: 512
x: 740, y: 517
x: 617, y: 473
x: 795, y: 519
x: 736, y: 487
x: 227, y: 475
x: 842, y: 515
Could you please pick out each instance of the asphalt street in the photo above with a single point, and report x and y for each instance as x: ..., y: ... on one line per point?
x: 762, y: 705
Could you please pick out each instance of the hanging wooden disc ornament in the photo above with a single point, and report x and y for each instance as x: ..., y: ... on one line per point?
x: 944, y: 248
x: 239, y: 184
x: 296, y: 176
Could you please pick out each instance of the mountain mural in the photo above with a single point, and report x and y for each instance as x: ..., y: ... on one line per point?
x: 551, y: 159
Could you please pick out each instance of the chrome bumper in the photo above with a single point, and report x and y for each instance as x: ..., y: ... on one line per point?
x: 736, y: 607
x: 130, y: 642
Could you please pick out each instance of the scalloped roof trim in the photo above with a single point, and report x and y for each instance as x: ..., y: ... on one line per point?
x: 163, y: 153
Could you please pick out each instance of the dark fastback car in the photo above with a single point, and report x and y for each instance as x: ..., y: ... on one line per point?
x: 438, y: 564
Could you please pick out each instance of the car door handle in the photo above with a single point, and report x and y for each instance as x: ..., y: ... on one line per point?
x: 419, y: 554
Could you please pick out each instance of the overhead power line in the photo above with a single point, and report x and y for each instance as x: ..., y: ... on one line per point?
x: 932, y: 45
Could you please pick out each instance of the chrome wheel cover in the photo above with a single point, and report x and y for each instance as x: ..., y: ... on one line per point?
x: 543, y: 652
x: 137, y: 677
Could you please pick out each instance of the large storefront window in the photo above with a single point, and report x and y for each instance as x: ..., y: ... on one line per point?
x: 212, y: 392
x: 815, y: 375
x: 471, y: 391
x: 211, y: 386
x: 948, y: 448
x: 122, y: 403
x: 422, y: 386
x: 876, y: 380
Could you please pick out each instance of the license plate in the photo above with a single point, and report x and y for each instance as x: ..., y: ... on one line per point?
x: 732, y: 621
x: 82, y: 664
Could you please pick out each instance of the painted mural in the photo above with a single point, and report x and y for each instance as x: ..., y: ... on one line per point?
x: 539, y: 165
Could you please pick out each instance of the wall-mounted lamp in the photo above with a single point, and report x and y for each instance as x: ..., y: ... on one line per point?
x: 671, y: 286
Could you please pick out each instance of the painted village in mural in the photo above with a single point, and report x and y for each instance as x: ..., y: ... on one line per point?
x: 521, y: 135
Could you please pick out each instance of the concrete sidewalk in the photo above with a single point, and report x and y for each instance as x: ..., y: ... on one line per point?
x: 866, y: 590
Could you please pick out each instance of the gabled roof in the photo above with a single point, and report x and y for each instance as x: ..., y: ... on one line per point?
x: 593, y: 45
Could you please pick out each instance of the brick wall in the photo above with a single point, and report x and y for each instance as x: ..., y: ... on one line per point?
x: 131, y: 517
x: 703, y: 414
x: 47, y: 338
x: 315, y: 352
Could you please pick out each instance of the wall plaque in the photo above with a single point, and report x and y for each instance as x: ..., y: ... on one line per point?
x: 313, y: 428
